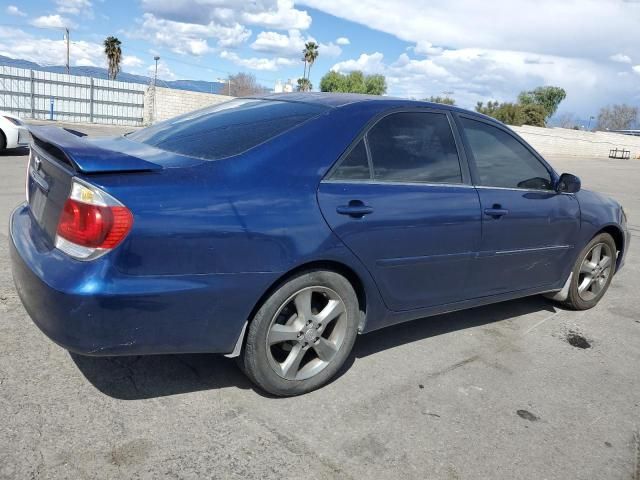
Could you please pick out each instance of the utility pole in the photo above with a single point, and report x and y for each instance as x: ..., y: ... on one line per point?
x: 66, y: 30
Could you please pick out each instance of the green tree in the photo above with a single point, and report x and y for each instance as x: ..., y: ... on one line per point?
x: 534, y: 115
x: 304, y: 85
x: 354, y: 82
x: 309, y: 56
x: 442, y: 100
x: 489, y: 109
x: 375, y: 84
x: 114, y: 55
x: 332, y: 82
x: 514, y: 113
x: 548, y: 97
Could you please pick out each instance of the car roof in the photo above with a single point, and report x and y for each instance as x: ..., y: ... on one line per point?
x: 328, y: 99
x: 336, y: 100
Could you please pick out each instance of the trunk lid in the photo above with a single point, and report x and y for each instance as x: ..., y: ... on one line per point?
x: 57, y: 155
x: 85, y: 156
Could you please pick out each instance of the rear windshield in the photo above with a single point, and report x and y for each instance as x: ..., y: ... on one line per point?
x: 226, y: 129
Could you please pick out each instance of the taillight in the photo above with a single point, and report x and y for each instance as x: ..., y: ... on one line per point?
x: 92, y: 222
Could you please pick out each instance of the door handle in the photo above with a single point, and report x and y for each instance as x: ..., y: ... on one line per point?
x: 355, y: 209
x: 496, y: 212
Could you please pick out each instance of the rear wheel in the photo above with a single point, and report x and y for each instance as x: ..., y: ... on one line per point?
x: 592, y: 273
x: 3, y: 141
x: 302, y: 334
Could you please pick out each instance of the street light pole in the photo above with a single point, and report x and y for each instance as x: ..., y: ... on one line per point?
x: 66, y: 31
x: 155, y: 75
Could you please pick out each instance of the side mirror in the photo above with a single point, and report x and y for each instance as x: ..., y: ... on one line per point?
x: 568, y: 183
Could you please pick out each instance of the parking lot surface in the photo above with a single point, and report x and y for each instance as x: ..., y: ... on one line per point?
x: 521, y: 389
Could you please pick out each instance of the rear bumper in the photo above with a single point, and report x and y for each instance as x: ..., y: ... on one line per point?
x: 91, y: 309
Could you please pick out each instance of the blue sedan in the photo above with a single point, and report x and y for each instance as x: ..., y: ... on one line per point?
x: 276, y: 229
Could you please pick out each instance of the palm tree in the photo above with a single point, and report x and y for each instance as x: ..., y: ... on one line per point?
x: 114, y: 55
x: 304, y: 85
x: 309, y: 55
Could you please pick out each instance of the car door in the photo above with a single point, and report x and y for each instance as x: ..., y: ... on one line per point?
x: 401, y: 200
x: 528, y: 229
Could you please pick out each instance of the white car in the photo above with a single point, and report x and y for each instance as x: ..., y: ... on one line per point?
x: 13, y: 132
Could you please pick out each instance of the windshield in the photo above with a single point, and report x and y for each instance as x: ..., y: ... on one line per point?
x: 228, y: 128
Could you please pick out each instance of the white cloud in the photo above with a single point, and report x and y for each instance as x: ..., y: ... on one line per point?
x: 475, y: 74
x: 284, y: 16
x: 85, y: 62
x: 52, y: 21
x: 636, y: 69
x: 258, y: 63
x: 291, y: 44
x: 189, y: 38
x: 343, y: 41
x: 366, y: 63
x: 278, y: 14
x: 164, y: 72
x: 131, y: 61
x: 16, y: 43
x: 528, y: 44
x: 544, y: 26
x: 427, y: 48
x: 620, y: 58
x: 74, y: 7
x: 15, y: 11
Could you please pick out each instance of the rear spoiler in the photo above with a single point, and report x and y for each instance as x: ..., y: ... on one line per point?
x: 82, y: 155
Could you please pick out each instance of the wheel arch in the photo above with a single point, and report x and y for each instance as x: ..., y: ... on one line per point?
x: 330, y: 265
x: 618, y: 237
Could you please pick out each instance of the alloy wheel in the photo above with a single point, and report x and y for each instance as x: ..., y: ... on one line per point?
x: 595, y: 271
x: 306, y: 333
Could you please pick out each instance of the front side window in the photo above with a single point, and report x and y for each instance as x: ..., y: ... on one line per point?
x: 416, y: 147
x: 228, y: 128
x: 502, y: 161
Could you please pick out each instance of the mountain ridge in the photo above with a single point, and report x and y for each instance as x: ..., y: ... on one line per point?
x: 202, y: 86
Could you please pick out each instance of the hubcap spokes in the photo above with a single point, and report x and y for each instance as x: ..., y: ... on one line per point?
x: 306, y: 333
x: 595, y: 271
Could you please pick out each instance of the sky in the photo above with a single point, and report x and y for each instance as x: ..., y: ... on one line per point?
x: 467, y: 49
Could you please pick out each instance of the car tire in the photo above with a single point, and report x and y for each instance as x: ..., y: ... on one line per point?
x: 302, y: 334
x: 3, y: 141
x: 592, y: 276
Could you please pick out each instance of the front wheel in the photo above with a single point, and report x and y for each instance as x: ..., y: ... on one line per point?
x: 302, y: 334
x: 592, y: 273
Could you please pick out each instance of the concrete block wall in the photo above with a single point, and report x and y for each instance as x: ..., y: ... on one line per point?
x: 170, y: 102
x: 577, y: 143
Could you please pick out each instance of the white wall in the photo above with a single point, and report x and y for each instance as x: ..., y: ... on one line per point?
x: 577, y: 143
x: 170, y: 102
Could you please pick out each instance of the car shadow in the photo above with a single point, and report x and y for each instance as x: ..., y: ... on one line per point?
x: 14, y: 152
x: 143, y: 377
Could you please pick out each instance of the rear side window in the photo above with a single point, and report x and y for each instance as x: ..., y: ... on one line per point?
x: 502, y: 161
x: 355, y: 165
x: 228, y: 128
x: 414, y: 147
